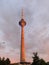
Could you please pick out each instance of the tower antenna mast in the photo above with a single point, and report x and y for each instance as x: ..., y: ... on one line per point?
x: 22, y: 14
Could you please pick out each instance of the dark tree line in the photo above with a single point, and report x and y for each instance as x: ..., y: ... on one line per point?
x: 38, y: 61
x: 4, y: 61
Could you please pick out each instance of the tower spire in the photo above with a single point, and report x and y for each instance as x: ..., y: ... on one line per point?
x: 22, y: 14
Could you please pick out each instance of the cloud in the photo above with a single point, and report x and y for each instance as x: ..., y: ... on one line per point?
x: 36, y: 15
x: 2, y: 46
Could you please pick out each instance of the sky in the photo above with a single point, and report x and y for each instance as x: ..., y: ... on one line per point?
x: 36, y: 15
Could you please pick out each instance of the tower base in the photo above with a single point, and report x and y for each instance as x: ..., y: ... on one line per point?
x: 21, y: 63
x: 25, y: 63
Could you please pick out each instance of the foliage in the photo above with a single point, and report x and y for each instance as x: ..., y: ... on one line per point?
x: 37, y: 60
x: 47, y: 63
x: 4, y: 61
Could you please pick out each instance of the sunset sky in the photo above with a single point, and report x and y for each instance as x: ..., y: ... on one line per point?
x: 36, y: 15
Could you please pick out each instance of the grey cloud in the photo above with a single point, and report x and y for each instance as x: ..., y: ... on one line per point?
x: 36, y: 30
x: 2, y: 46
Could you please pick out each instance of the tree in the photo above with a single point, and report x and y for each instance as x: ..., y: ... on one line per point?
x: 47, y: 63
x: 37, y: 60
x: 7, y: 61
x: 0, y: 61
x: 4, y: 62
x: 41, y: 62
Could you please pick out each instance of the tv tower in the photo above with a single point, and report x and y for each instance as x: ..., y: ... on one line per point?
x: 22, y: 23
